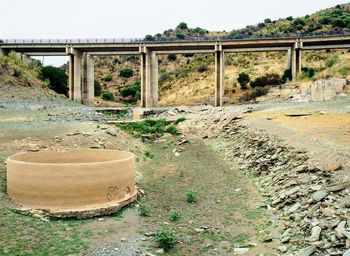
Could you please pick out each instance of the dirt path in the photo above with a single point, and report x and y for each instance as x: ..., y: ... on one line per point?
x: 227, y: 214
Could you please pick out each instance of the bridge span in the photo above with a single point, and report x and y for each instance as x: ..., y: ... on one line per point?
x: 81, y: 66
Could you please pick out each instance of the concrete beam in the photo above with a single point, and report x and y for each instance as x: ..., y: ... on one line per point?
x: 325, y: 47
x: 113, y: 53
x: 264, y: 49
x: 45, y: 54
x: 219, y: 75
x: 185, y: 51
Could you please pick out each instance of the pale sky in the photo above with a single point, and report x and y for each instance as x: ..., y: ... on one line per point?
x: 136, y: 18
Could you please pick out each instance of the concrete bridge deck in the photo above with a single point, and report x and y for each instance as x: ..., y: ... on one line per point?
x: 81, y: 71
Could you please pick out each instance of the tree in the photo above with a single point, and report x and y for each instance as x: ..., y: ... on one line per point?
x: 268, y: 20
x: 182, y: 26
x: 180, y: 36
x: 57, y: 77
x: 149, y: 38
x: 243, y: 79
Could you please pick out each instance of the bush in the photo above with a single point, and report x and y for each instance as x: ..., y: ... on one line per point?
x: 107, y: 96
x: 172, y: 57
x: 175, y: 216
x: 344, y: 71
x: 180, y: 36
x: 149, y: 38
x: 133, y: 58
x: 163, y: 76
x: 269, y: 79
x: 191, y: 196
x: 267, y: 20
x: 202, y: 68
x: 182, y: 25
x: 17, y: 72
x: 133, y: 90
x: 97, y: 88
x: 339, y: 23
x: 257, y: 92
x: 126, y: 72
x: 57, y: 77
x: 309, y: 72
x: 243, y: 79
x: 166, y: 240
x: 290, y: 18
x: 331, y: 61
x: 108, y: 78
x: 144, y: 210
x: 287, y: 76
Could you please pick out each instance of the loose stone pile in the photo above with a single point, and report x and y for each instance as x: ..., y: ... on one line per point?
x: 312, y: 207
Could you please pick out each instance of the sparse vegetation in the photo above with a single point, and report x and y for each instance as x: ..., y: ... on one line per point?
x: 175, y: 216
x: 191, y: 196
x: 331, y: 61
x: 144, y: 210
x: 97, y: 88
x: 132, y: 91
x: 257, y: 92
x: 243, y: 79
x: 108, y: 78
x: 166, y: 240
x: 268, y: 79
x: 126, y: 73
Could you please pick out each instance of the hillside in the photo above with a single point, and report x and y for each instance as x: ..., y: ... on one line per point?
x: 192, y: 76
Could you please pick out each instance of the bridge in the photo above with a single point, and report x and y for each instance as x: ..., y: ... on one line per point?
x: 81, y: 65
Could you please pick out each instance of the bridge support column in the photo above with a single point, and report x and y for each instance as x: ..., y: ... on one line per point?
x: 88, y: 88
x: 75, y: 74
x: 219, y: 75
x: 3, y: 52
x: 71, y: 76
x: 149, y: 78
x: 296, y: 58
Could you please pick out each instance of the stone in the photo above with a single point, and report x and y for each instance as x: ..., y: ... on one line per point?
x: 112, y: 132
x: 347, y: 253
x: 319, y: 195
x: 283, y: 248
x: 328, y: 211
x: 315, y: 234
x: 308, y: 251
x: 239, y: 251
x: 341, y: 231
x: 294, y: 208
x: 109, y: 145
x: 34, y: 147
x: 292, y: 191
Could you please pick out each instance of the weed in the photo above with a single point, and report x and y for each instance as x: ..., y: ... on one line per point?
x: 107, y: 96
x: 149, y: 154
x: 191, y: 196
x: 175, y: 216
x: 108, y: 78
x: 180, y: 120
x: 166, y: 240
x: 144, y: 210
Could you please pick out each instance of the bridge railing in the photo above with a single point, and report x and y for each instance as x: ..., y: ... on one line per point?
x: 167, y: 39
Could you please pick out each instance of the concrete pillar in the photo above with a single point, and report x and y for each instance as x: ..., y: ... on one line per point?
x: 88, y: 88
x: 219, y: 75
x: 71, y: 76
x: 149, y: 78
x: 289, y: 59
x: 296, y: 58
x: 26, y: 59
x: 3, y: 52
x: 77, y: 76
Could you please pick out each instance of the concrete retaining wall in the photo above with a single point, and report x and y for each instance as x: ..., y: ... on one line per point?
x: 322, y: 90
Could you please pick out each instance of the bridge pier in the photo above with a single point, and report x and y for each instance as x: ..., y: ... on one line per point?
x: 88, y: 87
x: 149, y: 78
x: 3, y: 52
x: 296, y: 54
x: 219, y: 75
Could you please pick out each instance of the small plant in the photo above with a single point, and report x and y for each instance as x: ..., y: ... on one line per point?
x: 331, y: 61
x: 172, y: 57
x: 191, y: 196
x: 108, y: 78
x: 202, y: 68
x: 243, y: 79
x: 172, y: 130
x: 166, y: 240
x: 149, y: 154
x: 126, y: 72
x: 107, y: 96
x: 17, y: 72
x: 97, y: 87
x: 175, y: 216
x: 144, y: 210
x: 268, y: 79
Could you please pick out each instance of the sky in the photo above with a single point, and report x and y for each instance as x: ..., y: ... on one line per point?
x: 33, y: 19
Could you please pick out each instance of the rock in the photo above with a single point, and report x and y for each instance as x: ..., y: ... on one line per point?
x: 73, y: 133
x: 112, y: 132
x: 292, y: 191
x: 283, y: 248
x: 319, y: 195
x: 149, y: 254
x: 335, y: 188
x: 294, y: 208
x: 308, y: 251
x: 238, y: 251
x: 347, y: 253
x: 341, y: 231
x: 301, y: 168
x: 109, y: 145
x: 34, y: 147
x: 332, y: 167
x: 313, y: 209
x: 315, y: 234
x: 328, y: 211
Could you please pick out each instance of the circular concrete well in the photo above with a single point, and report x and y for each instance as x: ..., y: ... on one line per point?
x: 79, y: 183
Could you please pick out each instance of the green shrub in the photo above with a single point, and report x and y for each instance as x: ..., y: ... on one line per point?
x: 191, y: 196
x: 339, y: 22
x: 182, y: 26
x: 202, y: 68
x: 149, y: 38
x: 166, y: 240
x: 309, y: 72
x: 163, y: 76
x: 149, y: 154
x: 331, y: 61
x: 144, y: 210
x: 174, y: 216
x: 243, y: 79
x: 126, y: 72
x: 269, y: 79
x: 107, y: 96
x: 57, y: 77
x: 133, y: 90
x: 268, y: 20
x: 257, y: 92
x: 180, y: 36
x: 17, y: 72
x: 344, y: 71
x: 287, y: 76
x: 172, y: 130
x: 172, y: 57
x: 97, y: 88
x: 133, y: 58
x: 108, y: 78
